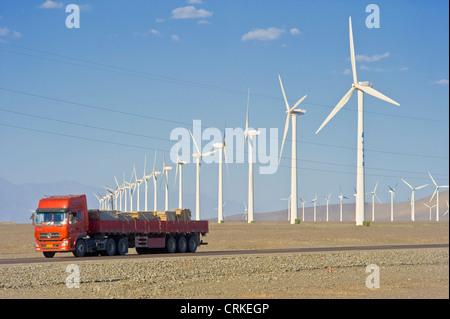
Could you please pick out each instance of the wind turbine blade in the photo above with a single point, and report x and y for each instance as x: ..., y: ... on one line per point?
x: 377, y: 198
x: 195, y: 143
x: 116, y: 182
x: 246, y: 119
x: 284, y: 94
x: 375, y: 189
x: 375, y: 93
x: 336, y: 109
x: 407, y: 183
x: 286, y: 128
x: 209, y: 153
x: 352, y: 51
x: 422, y: 186
x: 298, y: 102
x: 434, y: 182
x: 435, y: 191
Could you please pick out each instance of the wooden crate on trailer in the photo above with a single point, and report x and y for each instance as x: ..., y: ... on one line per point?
x: 183, y: 214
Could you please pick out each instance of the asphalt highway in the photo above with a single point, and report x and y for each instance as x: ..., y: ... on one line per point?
x: 68, y: 257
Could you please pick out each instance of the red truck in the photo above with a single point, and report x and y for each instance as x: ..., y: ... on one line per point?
x: 64, y: 224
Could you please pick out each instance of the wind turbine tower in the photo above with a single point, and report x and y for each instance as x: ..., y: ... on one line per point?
x: 374, y: 194
x: 436, y: 192
x: 392, y: 191
x: 413, y: 189
x: 361, y: 88
x: 180, y: 189
x: 222, y: 151
x: 327, y: 200
x: 250, y: 134
x: 292, y: 113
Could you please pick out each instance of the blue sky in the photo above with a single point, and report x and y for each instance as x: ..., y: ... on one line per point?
x: 148, y: 67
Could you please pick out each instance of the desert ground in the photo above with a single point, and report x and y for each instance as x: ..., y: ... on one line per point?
x: 404, y: 273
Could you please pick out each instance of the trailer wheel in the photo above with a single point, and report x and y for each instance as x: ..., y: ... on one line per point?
x: 80, y: 248
x: 171, y: 245
x: 192, y: 244
x: 110, y: 247
x: 181, y: 244
x: 122, y: 246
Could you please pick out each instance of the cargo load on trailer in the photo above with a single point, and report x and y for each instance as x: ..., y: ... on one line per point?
x: 64, y: 224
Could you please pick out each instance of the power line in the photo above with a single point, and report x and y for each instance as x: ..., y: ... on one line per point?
x: 190, y: 124
x: 157, y: 77
x: 157, y: 149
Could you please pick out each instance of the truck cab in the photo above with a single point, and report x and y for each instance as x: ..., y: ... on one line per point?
x: 59, y: 222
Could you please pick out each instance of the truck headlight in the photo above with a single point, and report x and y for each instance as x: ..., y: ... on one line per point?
x: 65, y: 243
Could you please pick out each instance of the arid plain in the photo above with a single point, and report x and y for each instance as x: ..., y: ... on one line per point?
x: 404, y: 273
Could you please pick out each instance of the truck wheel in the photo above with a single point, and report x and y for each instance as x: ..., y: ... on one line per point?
x: 110, y: 247
x: 80, y: 248
x: 192, y: 244
x: 171, y: 245
x: 49, y: 254
x: 122, y: 246
x: 181, y: 244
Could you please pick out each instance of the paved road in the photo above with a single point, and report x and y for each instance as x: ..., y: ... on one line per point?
x: 70, y: 258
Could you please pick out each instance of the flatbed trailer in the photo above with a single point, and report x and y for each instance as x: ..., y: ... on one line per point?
x: 63, y: 224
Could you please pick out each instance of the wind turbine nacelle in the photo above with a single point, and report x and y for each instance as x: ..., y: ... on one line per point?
x: 297, y: 112
x: 366, y: 83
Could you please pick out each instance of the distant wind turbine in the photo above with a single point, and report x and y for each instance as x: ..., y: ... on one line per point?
x: 436, y: 192
x: 198, y: 156
x: 315, y: 202
x: 222, y: 151
x: 413, y: 189
x: 430, y: 208
x: 303, y: 208
x: 154, y: 176
x: 288, y: 199
x: 180, y: 182
x: 166, y: 170
x: 250, y: 134
x: 392, y: 191
x: 292, y: 113
x: 374, y: 194
x: 327, y: 199
x: 361, y: 88
x: 341, y: 197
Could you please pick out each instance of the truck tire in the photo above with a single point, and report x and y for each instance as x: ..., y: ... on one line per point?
x: 80, y: 248
x: 192, y: 244
x: 110, y: 247
x: 122, y: 246
x: 171, y: 245
x: 49, y: 254
x: 181, y: 244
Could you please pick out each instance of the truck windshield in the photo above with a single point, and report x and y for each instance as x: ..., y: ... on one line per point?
x: 51, y: 219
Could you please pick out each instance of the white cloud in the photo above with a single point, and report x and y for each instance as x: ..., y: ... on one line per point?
x: 269, y: 34
x: 347, y: 72
x: 295, y: 31
x: 16, y: 34
x: 203, y: 21
x: 195, y: 1
x: 442, y: 82
x: 85, y: 7
x: 4, y: 32
x: 190, y: 12
x: 159, y: 20
x: 49, y: 4
x: 175, y: 38
x: 145, y: 34
x: 373, y: 58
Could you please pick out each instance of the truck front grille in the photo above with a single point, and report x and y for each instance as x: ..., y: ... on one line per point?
x: 49, y: 235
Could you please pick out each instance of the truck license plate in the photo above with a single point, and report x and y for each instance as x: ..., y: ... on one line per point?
x: 49, y: 245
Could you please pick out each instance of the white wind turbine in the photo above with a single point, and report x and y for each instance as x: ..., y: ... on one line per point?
x: 145, y: 180
x: 341, y: 197
x: 180, y: 184
x: 132, y: 187
x: 327, y: 199
x: 430, y: 208
x: 166, y: 170
x: 250, y: 134
x: 154, y: 175
x: 292, y: 113
x: 198, y: 156
x: 446, y: 212
x: 315, y: 202
x: 392, y: 191
x: 361, y: 88
x: 436, y: 192
x: 100, y: 202
x: 413, y: 189
x: 374, y: 194
x: 220, y: 205
x: 289, y: 206
x: 138, y: 182
x: 244, y: 215
x: 303, y: 208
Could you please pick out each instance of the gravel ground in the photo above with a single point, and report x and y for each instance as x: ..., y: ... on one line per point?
x: 420, y: 273
x: 403, y: 274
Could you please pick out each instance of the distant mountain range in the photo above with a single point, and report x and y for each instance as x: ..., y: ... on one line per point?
x: 16, y: 201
